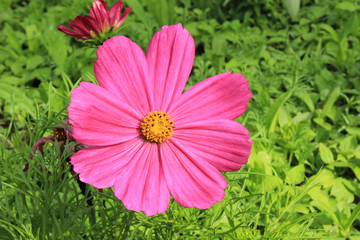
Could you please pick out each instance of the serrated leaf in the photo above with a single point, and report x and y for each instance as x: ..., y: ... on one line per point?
x: 296, y: 175
x: 341, y: 192
x: 302, y: 117
x: 325, y: 178
x: 12, y: 39
x: 34, y: 61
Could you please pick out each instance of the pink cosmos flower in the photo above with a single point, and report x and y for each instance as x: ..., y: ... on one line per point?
x: 149, y: 139
x: 100, y: 20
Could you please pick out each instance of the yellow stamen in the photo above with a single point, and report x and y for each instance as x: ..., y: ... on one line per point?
x: 115, y: 26
x: 157, y: 126
x: 93, y: 34
x: 106, y: 27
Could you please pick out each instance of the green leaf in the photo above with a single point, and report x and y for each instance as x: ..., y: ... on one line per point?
x: 321, y: 199
x: 34, y: 61
x: 302, y: 117
x: 355, y: 213
x: 341, y: 192
x: 292, y: 7
x: 12, y: 80
x: 8, y: 51
x: 353, y: 130
x: 325, y: 154
x: 348, y: 144
x: 352, y: 25
x: 355, y: 167
x: 346, y: 5
x: 12, y: 39
x: 138, y: 10
x: 284, y: 117
x: 322, y: 123
x: 296, y: 175
x: 6, y: 233
x: 305, y: 97
x: 325, y: 178
x: 32, y: 35
x: 6, y: 91
x: 56, y: 47
x: 330, y: 30
x: 330, y: 102
x: 162, y: 11
x: 272, y: 116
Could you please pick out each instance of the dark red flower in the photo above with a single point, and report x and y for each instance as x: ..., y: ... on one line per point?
x: 60, y: 134
x: 98, y: 23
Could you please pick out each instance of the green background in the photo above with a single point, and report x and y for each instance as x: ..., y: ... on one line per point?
x: 302, y: 63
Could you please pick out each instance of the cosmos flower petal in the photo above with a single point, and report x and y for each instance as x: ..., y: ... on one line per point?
x: 123, y: 16
x: 140, y: 184
x: 72, y: 33
x: 191, y: 181
x: 100, y: 166
x: 115, y: 12
x: 83, y: 25
x: 122, y: 69
x: 223, y: 96
x: 225, y: 144
x: 99, y: 13
x: 170, y: 56
x: 99, y: 118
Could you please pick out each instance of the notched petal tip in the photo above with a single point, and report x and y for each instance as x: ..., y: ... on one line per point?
x: 105, y: 49
x: 170, y: 56
x: 178, y: 26
x: 191, y: 181
x: 223, y: 96
x: 225, y: 144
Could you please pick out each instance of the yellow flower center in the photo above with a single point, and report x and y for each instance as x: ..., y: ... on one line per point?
x: 157, y: 126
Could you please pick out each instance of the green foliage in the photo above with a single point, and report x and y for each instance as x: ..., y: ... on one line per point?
x: 33, y: 56
x: 302, y: 63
